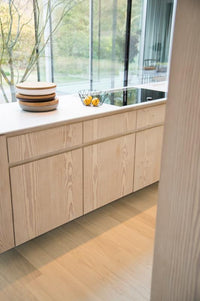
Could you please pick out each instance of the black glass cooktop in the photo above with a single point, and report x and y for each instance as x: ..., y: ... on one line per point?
x: 129, y: 96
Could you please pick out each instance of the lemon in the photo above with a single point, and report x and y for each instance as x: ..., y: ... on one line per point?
x: 87, y: 100
x: 95, y: 102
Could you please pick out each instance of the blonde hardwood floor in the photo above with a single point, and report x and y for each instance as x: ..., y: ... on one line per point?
x: 105, y: 255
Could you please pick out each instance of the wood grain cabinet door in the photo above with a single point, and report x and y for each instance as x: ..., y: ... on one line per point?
x: 108, y: 171
x: 6, y: 220
x: 148, y: 157
x: 46, y: 194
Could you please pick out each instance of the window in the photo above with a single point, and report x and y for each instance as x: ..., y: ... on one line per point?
x: 84, y: 44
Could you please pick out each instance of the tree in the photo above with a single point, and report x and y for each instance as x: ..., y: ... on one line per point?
x: 22, y: 27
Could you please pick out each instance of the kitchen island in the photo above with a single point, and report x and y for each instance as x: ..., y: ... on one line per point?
x: 57, y: 166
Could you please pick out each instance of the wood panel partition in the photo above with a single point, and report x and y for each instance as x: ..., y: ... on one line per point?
x: 176, y: 269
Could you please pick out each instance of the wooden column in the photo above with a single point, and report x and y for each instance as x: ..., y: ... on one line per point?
x: 6, y: 221
x: 176, y: 269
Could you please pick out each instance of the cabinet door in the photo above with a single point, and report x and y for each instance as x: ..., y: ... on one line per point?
x: 6, y: 220
x: 46, y: 193
x: 148, y: 157
x: 108, y: 171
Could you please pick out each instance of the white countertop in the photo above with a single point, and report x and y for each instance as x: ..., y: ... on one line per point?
x: 70, y: 108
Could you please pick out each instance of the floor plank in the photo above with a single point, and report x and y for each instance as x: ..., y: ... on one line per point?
x: 105, y: 255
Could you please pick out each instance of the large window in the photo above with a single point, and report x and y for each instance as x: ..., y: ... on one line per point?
x: 71, y: 49
x: 156, y: 47
x: 84, y: 44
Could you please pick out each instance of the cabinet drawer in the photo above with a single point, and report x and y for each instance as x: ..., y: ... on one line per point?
x: 109, y: 126
x: 38, y: 143
x: 150, y: 116
x: 46, y: 194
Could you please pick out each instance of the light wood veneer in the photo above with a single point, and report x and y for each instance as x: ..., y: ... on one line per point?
x: 46, y: 194
x: 148, y: 157
x: 150, y: 116
x: 42, y: 142
x: 109, y: 126
x: 6, y: 221
x: 176, y: 271
x: 108, y: 171
x: 60, y: 173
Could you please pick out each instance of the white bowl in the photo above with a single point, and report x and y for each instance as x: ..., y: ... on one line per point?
x: 36, y: 88
x: 36, y: 92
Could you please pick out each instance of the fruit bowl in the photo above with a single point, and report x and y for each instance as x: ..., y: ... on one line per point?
x: 92, y: 98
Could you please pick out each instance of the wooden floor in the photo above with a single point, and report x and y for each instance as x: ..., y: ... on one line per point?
x: 105, y: 255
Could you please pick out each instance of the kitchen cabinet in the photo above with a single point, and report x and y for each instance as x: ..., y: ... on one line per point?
x: 57, y: 171
x: 44, y: 142
x: 150, y: 116
x: 108, y: 171
x: 6, y: 220
x: 46, y: 194
x: 109, y: 126
x: 147, y: 157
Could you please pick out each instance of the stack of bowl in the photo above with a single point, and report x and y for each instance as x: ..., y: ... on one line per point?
x: 37, y: 96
